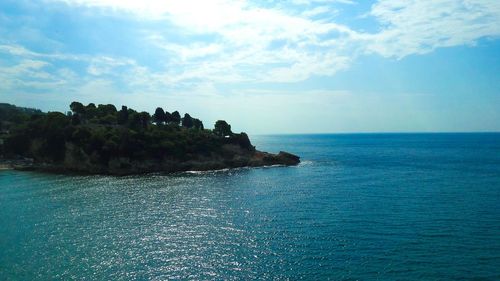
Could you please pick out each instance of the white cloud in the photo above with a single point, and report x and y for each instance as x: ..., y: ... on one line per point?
x: 245, y: 34
x: 419, y: 27
x: 50, y: 72
x: 320, y: 10
x: 187, y: 52
x: 249, y: 43
x: 104, y: 65
x: 28, y: 73
x: 252, y: 43
x: 310, y: 2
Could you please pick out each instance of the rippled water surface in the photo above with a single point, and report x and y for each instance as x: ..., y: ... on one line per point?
x: 360, y: 207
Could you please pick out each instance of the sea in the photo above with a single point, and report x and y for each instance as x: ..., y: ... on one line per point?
x: 358, y: 207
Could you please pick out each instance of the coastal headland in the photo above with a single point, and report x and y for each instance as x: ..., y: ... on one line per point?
x: 100, y: 139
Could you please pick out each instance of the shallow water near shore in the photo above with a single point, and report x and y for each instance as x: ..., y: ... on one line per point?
x: 359, y: 207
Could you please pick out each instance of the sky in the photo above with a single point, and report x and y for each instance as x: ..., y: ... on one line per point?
x: 267, y: 67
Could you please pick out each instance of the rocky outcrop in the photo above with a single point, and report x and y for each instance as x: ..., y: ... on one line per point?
x: 231, y: 156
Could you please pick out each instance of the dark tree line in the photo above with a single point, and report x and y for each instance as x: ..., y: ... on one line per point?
x: 107, y: 114
x: 103, y: 132
x: 161, y: 117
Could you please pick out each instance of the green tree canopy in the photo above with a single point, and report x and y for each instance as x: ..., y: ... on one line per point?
x: 122, y: 115
x: 98, y: 135
x: 90, y: 111
x: 197, y: 124
x: 145, y: 119
x: 175, y: 117
x: 106, y: 109
x: 168, y: 117
x: 187, y: 121
x: 222, y: 128
x: 77, y: 108
x: 159, y: 116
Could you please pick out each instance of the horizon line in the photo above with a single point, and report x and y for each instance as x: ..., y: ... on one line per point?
x: 380, y: 132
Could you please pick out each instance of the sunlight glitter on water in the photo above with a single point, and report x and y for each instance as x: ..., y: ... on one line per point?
x: 359, y: 209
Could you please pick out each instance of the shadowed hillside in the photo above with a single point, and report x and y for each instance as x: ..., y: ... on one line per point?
x: 103, y: 139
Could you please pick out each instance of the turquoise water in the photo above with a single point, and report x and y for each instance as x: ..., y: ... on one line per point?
x: 360, y: 207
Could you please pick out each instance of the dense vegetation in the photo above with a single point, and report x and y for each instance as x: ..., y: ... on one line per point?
x: 11, y: 114
x: 99, y: 134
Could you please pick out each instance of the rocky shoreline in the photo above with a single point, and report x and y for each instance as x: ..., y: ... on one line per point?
x: 123, y: 166
x: 16, y: 163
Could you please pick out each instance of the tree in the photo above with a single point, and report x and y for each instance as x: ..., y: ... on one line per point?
x: 175, y: 118
x: 77, y: 108
x: 53, y: 135
x: 197, y: 124
x: 145, y: 118
x: 159, y: 116
x: 168, y: 117
x: 75, y: 119
x: 122, y: 115
x: 109, y: 119
x: 134, y: 120
x: 222, y: 128
x: 187, y: 121
x: 90, y: 111
x: 106, y: 109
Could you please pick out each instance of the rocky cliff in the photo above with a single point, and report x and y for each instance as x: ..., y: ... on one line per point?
x: 230, y: 156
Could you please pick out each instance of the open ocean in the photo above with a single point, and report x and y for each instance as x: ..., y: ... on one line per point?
x: 359, y: 207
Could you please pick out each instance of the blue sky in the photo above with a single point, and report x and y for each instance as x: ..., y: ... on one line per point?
x: 299, y: 66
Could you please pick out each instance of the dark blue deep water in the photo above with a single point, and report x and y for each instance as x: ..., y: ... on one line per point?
x: 360, y: 207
